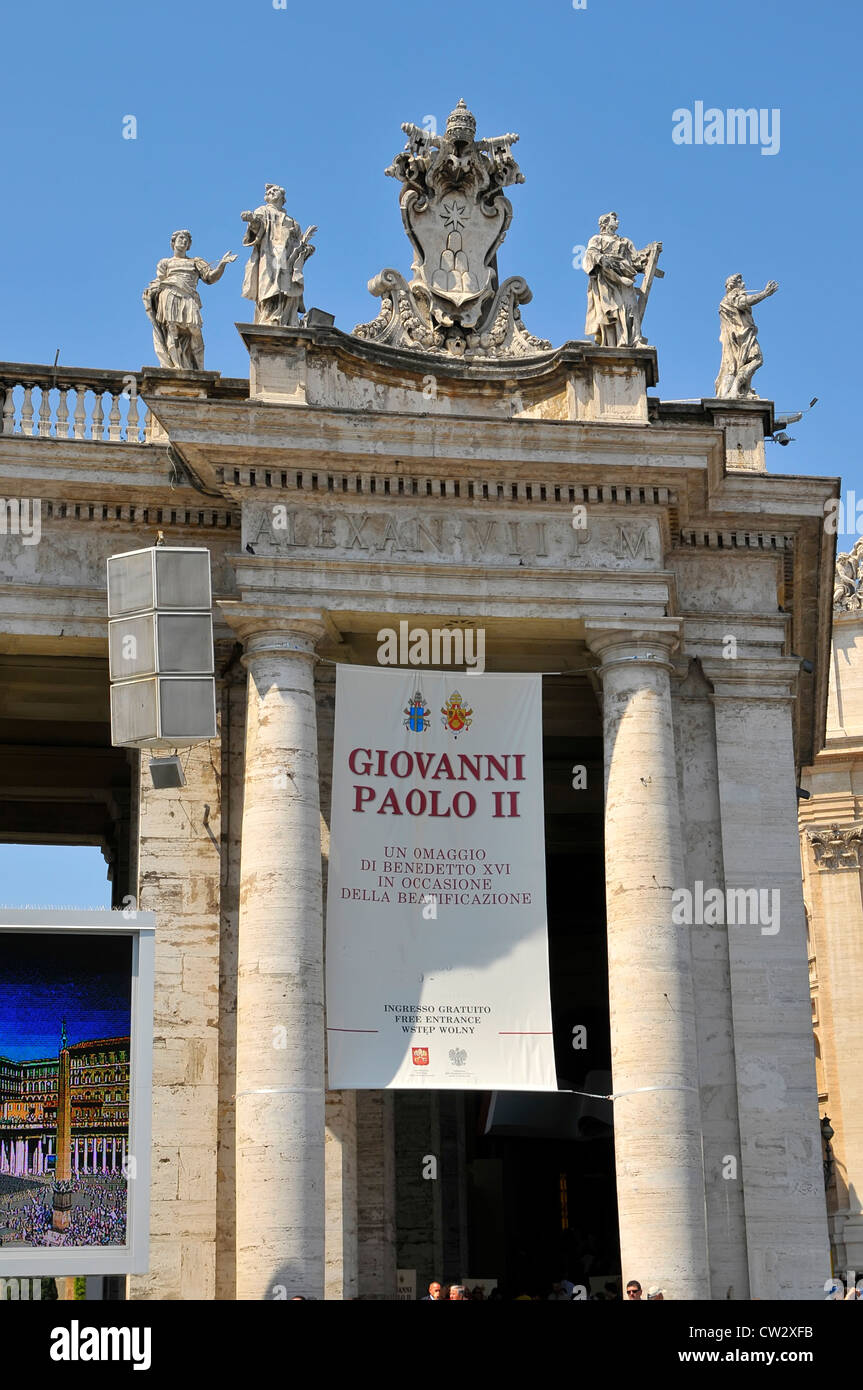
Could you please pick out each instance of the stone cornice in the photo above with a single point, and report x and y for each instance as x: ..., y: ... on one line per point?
x: 709, y: 410
x: 548, y: 365
x: 166, y: 512
x: 701, y: 538
x: 264, y: 431
x: 365, y: 483
x: 841, y: 748
x: 752, y: 678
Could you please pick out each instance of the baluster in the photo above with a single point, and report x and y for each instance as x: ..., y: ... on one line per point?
x: 80, y: 418
x: 9, y: 410
x: 27, y: 411
x: 45, y: 413
x: 98, y: 416
x: 62, y: 414
x: 114, y: 420
x: 132, y: 424
x: 155, y: 433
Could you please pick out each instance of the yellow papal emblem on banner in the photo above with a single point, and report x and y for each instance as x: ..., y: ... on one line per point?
x: 456, y: 715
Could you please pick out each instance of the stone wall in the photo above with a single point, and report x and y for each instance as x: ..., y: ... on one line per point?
x: 831, y: 824
x: 179, y: 866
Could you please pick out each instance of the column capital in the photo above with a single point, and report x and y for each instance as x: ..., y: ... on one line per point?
x: 747, y: 678
x: 626, y: 641
x: 270, y: 628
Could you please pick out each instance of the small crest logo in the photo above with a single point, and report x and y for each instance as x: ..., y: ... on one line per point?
x: 456, y: 715
x: 420, y: 1056
x: 417, y: 715
x: 457, y: 1056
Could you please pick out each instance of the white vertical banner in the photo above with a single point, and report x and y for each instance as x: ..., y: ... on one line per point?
x: 437, y: 935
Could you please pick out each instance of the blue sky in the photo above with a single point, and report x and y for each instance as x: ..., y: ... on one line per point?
x: 231, y: 95
x: 53, y: 876
x: 228, y: 96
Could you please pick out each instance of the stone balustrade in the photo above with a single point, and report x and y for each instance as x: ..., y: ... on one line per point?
x: 39, y: 402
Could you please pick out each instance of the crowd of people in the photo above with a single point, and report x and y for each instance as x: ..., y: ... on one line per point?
x: 560, y: 1291
x: 459, y: 1293
x: 97, y: 1215
x: 634, y: 1293
x: 564, y: 1291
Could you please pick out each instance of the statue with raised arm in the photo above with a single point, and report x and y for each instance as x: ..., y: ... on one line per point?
x: 274, y: 273
x: 741, y: 353
x: 174, y: 307
x: 615, y: 305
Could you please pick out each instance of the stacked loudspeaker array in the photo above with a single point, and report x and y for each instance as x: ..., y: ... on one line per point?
x: 160, y: 648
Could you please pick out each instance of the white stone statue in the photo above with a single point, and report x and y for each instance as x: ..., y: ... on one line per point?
x: 174, y: 307
x: 615, y: 306
x: 274, y: 274
x: 847, y: 596
x: 741, y: 353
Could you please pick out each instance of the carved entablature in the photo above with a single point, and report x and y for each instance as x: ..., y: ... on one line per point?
x: 837, y: 846
x: 847, y: 592
x: 400, y: 534
x: 456, y: 216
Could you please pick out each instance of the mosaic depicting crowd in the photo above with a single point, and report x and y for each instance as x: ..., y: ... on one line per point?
x: 97, y: 1217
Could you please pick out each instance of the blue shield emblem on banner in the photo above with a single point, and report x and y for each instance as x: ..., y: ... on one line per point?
x: 417, y: 720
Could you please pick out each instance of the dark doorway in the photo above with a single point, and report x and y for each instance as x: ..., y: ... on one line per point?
x: 61, y: 782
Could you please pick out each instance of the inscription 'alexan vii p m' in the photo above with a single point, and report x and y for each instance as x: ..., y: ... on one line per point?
x: 453, y: 536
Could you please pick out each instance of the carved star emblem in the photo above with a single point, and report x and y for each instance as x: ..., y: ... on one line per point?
x: 452, y: 215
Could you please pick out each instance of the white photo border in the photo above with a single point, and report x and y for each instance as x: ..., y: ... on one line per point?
x: 132, y: 1257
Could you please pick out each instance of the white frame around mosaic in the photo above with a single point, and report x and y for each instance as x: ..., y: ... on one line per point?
x: 133, y: 1256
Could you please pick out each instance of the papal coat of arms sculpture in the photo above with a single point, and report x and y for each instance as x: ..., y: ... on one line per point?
x: 456, y: 216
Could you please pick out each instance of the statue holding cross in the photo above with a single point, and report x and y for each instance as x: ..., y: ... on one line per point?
x: 615, y: 305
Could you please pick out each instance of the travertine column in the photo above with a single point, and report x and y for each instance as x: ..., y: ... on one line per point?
x: 657, y: 1124
x: 698, y: 780
x: 783, y: 1188
x: 233, y: 726
x: 280, y: 1019
x: 341, y: 1106
x: 341, y: 1194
